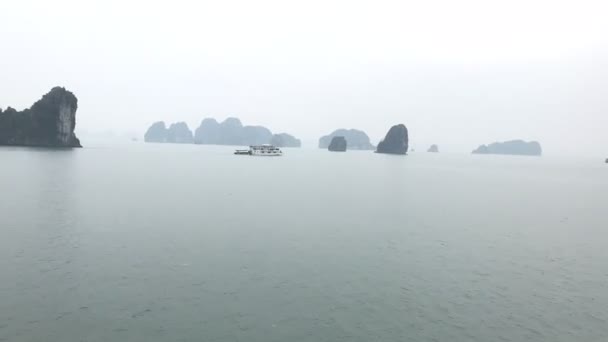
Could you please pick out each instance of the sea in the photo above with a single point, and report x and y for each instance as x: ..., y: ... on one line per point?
x: 162, y: 242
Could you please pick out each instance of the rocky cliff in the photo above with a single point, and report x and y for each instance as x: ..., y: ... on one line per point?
x: 179, y: 133
x: 208, y: 132
x: 50, y: 122
x: 255, y: 135
x: 516, y: 147
x: 356, y: 140
x: 338, y: 144
x: 157, y: 133
x: 395, y: 142
x: 285, y: 140
x: 232, y: 132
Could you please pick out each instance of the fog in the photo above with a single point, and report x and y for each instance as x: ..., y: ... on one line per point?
x: 458, y: 74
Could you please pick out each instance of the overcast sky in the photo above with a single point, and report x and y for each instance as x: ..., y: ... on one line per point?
x: 457, y: 73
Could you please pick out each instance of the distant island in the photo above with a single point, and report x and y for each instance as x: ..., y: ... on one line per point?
x: 230, y: 132
x: 356, y: 140
x: 338, y: 144
x: 285, y: 140
x: 157, y: 133
x: 433, y: 149
x: 210, y: 132
x: 514, y: 147
x: 49, y: 122
x: 395, y: 142
x: 177, y: 133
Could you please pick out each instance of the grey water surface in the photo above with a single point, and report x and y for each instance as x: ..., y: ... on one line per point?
x: 157, y: 242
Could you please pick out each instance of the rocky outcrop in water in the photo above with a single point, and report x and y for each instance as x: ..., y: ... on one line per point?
x: 285, y: 140
x: 179, y: 133
x: 232, y: 132
x: 208, y: 132
x: 515, y: 147
x: 338, y: 144
x: 434, y: 149
x: 211, y: 132
x: 256, y: 135
x: 356, y: 140
x: 50, y: 122
x: 157, y: 133
x: 395, y: 142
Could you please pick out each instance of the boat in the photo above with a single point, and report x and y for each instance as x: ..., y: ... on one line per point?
x: 261, y: 150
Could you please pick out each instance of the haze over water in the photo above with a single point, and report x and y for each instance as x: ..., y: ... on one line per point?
x: 149, y: 242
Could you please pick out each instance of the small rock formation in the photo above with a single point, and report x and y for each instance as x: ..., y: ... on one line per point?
x: 285, y: 140
x: 515, y: 147
x: 50, y: 122
x: 338, y: 144
x: 179, y: 133
x: 356, y: 140
x: 157, y: 133
x: 232, y: 132
x: 395, y: 142
x: 434, y: 148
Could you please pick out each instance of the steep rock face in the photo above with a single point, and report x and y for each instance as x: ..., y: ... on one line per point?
x: 285, y: 140
x: 179, y: 133
x: 356, y: 140
x: 232, y: 132
x: 395, y: 142
x: 50, y: 122
x: 338, y: 144
x: 208, y: 132
x: 157, y: 133
x: 515, y: 147
x: 434, y: 149
x: 255, y: 135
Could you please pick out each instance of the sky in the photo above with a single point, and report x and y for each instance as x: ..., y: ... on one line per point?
x: 456, y: 73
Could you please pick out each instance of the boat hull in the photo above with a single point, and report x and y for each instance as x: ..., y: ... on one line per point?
x: 266, y: 154
x: 261, y: 151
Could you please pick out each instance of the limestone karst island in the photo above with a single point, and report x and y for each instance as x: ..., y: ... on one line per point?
x: 49, y: 122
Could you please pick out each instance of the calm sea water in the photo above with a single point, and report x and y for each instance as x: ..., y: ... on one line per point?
x: 147, y: 242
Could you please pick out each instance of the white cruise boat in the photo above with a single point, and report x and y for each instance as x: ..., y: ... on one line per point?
x: 261, y: 150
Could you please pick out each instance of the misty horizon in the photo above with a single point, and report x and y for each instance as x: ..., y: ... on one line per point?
x: 479, y: 75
